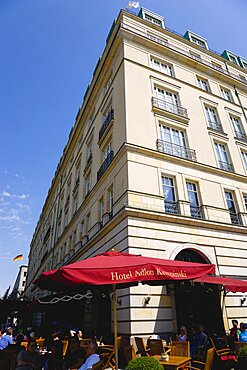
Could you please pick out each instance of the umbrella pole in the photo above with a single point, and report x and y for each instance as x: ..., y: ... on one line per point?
x: 114, y: 304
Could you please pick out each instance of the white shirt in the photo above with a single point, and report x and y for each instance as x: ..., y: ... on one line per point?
x: 90, y: 361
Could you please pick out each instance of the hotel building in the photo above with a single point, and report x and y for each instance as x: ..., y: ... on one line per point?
x: 155, y: 164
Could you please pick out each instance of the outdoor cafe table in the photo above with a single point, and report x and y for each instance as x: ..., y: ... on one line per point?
x: 174, y: 362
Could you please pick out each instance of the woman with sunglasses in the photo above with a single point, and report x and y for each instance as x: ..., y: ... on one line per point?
x: 29, y: 359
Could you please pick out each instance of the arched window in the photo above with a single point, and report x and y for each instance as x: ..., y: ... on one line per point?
x: 190, y: 255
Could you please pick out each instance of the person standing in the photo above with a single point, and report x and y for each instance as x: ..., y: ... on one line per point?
x: 234, y: 330
x: 243, y: 334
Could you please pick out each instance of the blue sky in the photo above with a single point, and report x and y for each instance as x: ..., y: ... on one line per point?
x: 49, y: 49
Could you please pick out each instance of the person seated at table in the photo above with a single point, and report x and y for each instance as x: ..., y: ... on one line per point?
x: 182, y: 336
x: 198, y: 341
x: 29, y: 359
x: 75, y: 355
x: 6, y: 338
x: 92, y: 357
x: 55, y: 360
x: 243, y: 335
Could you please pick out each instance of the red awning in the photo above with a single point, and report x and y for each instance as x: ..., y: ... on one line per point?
x: 121, y: 268
x: 230, y: 284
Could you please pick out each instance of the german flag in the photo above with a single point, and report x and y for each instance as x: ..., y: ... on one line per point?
x: 19, y: 257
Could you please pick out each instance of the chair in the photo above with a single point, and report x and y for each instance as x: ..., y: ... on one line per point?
x: 108, y: 355
x: 199, y: 365
x: 223, y: 355
x: 155, y: 346
x: 180, y: 349
x: 141, y: 348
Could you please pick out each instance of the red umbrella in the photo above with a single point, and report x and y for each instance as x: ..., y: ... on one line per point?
x: 121, y: 268
x: 230, y: 284
x: 115, y: 268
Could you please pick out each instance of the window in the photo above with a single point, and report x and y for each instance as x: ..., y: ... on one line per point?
x: 231, y: 207
x: 107, y: 150
x: 198, y: 41
x: 66, y: 219
x: 195, y: 209
x: 237, y: 128
x: 222, y: 156
x: 245, y: 201
x: 88, y: 222
x: 217, y: 66
x: 226, y: 94
x: 232, y: 59
x: 173, y: 142
x: 203, y: 84
x: 101, y: 209
x: 162, y: 67
x: 77, y: 174
x: 153, y: 20
x: 87, y: 185
x: 75, y: 204
x: 169, y: 195
x: 195, y: 56
x: 244, y: 157
x: 89, y: 149
x: 82, y: 229
x: 170, y: 100
x: 213, y: 119
x: 110, y: 200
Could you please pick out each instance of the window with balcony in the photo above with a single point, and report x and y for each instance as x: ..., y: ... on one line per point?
x: 203, y: 84
x: 245, y: 201
x: 213, y: 119
x: 195, y: 208
x: 230, y: 202
x: 223, y: 157
x: 226, y: 94
x: 162, y: 67
x: 107, y: 159
x: 237, y: 128
x: 244, y: 157
x: 107, y: 120
x: 173, y: 142
x: 168, y: 101
x: 170, y: 203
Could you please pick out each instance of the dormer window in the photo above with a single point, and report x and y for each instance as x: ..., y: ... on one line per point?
x: 196, y: 39
x: 152, y: 17
x: 230, y: 56
x: 242, y: 62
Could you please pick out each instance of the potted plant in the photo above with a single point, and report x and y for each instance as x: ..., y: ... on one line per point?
x: 242, y: 358
x: 144, y: 363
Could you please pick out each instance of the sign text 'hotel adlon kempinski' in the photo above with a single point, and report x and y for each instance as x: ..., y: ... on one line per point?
x: 116, y: 276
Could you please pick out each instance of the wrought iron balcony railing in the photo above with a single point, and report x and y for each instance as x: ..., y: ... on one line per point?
x: 240, y: 135
x: 196, y: 211
x: 169, y: 107
x: 176, y: 150
x: 225, y: 166
x: 105, y: 165
x: 235, y: 219
x: 171, y: 207
x: 106, y: 123
x: 215, y: 126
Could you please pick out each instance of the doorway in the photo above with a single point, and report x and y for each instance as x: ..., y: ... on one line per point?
x: 198, y: 304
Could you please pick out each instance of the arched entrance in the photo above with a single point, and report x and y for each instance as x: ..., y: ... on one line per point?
x: 196, y: 303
